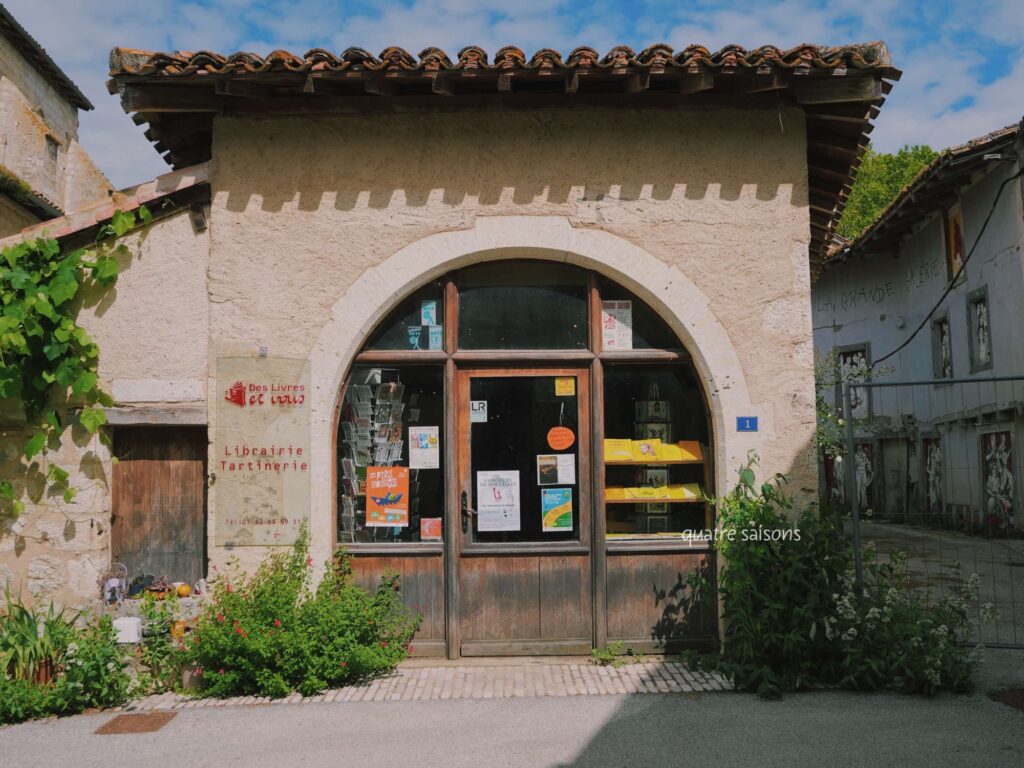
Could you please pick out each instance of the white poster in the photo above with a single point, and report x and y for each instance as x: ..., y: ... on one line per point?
x: 556, y: 469
x: 424, y: 448
x: 497, y: 500
x: 617, y: 324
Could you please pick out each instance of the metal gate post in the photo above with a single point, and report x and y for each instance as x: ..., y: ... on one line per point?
x: 851, y: 484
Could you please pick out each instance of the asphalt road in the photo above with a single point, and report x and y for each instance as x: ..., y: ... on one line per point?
x: 649, y: 730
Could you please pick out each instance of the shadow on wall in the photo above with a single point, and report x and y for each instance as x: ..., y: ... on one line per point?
x: 687, y: 610
x: 516, y: 159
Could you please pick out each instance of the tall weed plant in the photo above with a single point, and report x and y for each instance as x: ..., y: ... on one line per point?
x: 793, y: 616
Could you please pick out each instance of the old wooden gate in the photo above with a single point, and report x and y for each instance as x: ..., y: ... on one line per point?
x: 159, y: 505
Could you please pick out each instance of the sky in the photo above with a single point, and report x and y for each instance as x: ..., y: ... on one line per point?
x: 962, y: 60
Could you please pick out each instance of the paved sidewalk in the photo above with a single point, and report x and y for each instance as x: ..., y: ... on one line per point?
x: 465, y: 680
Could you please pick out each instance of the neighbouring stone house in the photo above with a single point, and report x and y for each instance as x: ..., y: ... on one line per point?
x: 43, y: 169
x: 945, y: 450
x: 495, y: 325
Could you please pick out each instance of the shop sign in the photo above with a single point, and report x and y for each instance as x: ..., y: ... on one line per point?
x: 260, y: 472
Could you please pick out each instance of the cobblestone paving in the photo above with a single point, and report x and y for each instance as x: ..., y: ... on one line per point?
x: 486, y: 682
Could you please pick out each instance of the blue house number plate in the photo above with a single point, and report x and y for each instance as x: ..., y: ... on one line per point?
x: 746, y: 423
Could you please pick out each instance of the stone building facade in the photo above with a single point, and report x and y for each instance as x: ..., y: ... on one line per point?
x: 44, y: 171
x: 946, y: 450
x: 310, y: 210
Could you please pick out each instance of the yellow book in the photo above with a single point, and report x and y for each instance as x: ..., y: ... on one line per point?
x: 688, y: 492
x: 643, y: 492
x: 614, y: 494
x: 646, y: 450
x: 618, y: 450
x: 687, y: 450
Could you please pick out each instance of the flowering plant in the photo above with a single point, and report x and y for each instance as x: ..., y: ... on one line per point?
x: 271, y: 633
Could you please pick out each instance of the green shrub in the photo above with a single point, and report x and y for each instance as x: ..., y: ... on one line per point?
x: 269, y: 635
x: 88, y: 668
x: 792, y: 616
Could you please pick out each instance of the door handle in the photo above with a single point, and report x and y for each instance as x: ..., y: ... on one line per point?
x: 466, y: 512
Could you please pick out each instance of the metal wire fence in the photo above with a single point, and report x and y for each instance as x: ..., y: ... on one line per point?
x: 936, y: 472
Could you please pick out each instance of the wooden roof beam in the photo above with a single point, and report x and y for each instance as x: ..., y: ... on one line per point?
x: 821, y: 90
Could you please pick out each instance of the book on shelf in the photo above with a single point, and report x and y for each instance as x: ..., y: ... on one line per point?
x: 650, y: 450
x: 672, y: 492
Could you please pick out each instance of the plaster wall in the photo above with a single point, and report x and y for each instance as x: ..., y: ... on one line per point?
x: 152, y: 331
x: 319, y: 227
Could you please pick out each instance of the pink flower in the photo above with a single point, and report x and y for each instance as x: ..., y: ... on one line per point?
x: 309, y: 561
x: 220, y: 671
x: 220, y: 617
x: 384, y: 644
x: 199, y: 670
x: 277, y: 622
x: 344, y: 664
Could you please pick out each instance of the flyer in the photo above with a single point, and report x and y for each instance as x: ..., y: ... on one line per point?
x: 477, y: 411
x: 435, y: 337
x: 430, y: 529
x: 428, y: 312
x: 556, y: 469
x: 617, y: 324
x: 424, y: 448
x: 387, y: 496
x: 556, y: 509
x: 497, y: 500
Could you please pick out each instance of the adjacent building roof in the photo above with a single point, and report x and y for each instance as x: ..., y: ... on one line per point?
x: 933, y: 189
x: 27, y: 46
x: 163, y: 195
x: 839, y: 88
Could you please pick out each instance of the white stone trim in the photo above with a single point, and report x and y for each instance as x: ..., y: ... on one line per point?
x: 670, y: 292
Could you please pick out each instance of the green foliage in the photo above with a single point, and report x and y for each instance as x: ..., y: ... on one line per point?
x: 87, y: 667
x: 48, y: 362
x: 31, y: 642
x: 792, y: 617
x: 879, y: 180
x: 159, y: 653
x: 609, y: 656
x: 269, y: 635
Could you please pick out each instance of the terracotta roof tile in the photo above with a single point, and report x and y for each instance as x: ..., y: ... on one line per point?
x: 659, y: 57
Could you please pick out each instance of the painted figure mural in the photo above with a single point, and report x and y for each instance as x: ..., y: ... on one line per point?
x: 865, y: 474
x: 984, y: 352
x: 933, y: 475
x: 945, y: 351
x: 853, y: 366
x: 999, y: 496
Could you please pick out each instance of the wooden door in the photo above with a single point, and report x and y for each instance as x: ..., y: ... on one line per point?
x: 159, y: 504
x: 523, y: 543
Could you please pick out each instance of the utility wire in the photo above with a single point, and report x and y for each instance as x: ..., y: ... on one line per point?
x: 959, y: 272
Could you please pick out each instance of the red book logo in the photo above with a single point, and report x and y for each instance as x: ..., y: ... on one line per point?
x: 236, y: 394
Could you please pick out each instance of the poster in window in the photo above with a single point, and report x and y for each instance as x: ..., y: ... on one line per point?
x: 954, y: 239
x: 556, y: 508
x: 387, y: 496
x: 424, y: 448
x: 997, y: 454
x: 497, y: 500
x: 617, y: 324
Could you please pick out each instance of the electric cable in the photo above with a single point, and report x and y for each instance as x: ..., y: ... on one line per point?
x: 959, y: 272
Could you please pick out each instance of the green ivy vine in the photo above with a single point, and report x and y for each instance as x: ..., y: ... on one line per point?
x: 48, y: 362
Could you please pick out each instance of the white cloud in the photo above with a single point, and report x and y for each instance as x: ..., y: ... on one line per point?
x: 941, y: 46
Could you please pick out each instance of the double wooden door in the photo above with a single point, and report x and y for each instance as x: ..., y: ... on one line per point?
x: 521, y: 539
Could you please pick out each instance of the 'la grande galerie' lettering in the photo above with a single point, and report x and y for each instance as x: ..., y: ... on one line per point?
x: 915, y: 278
x: 264, y: 458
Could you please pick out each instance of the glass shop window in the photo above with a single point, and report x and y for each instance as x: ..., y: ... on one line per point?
x: 390, y: 457
x: 416, y: 323
x: 526, y: 305
x: 655, y: 451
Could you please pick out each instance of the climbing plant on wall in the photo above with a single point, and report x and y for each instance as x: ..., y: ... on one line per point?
x: 48, y: 362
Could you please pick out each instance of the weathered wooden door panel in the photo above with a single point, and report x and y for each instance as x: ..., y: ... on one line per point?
x: 422, y: 583
x: 159, y: 501
x: 651, y: 605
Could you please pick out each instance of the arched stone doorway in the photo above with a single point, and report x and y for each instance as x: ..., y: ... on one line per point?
x: 612, y: 568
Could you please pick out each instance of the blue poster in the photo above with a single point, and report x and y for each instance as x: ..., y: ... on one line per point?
x: 556, y: 509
